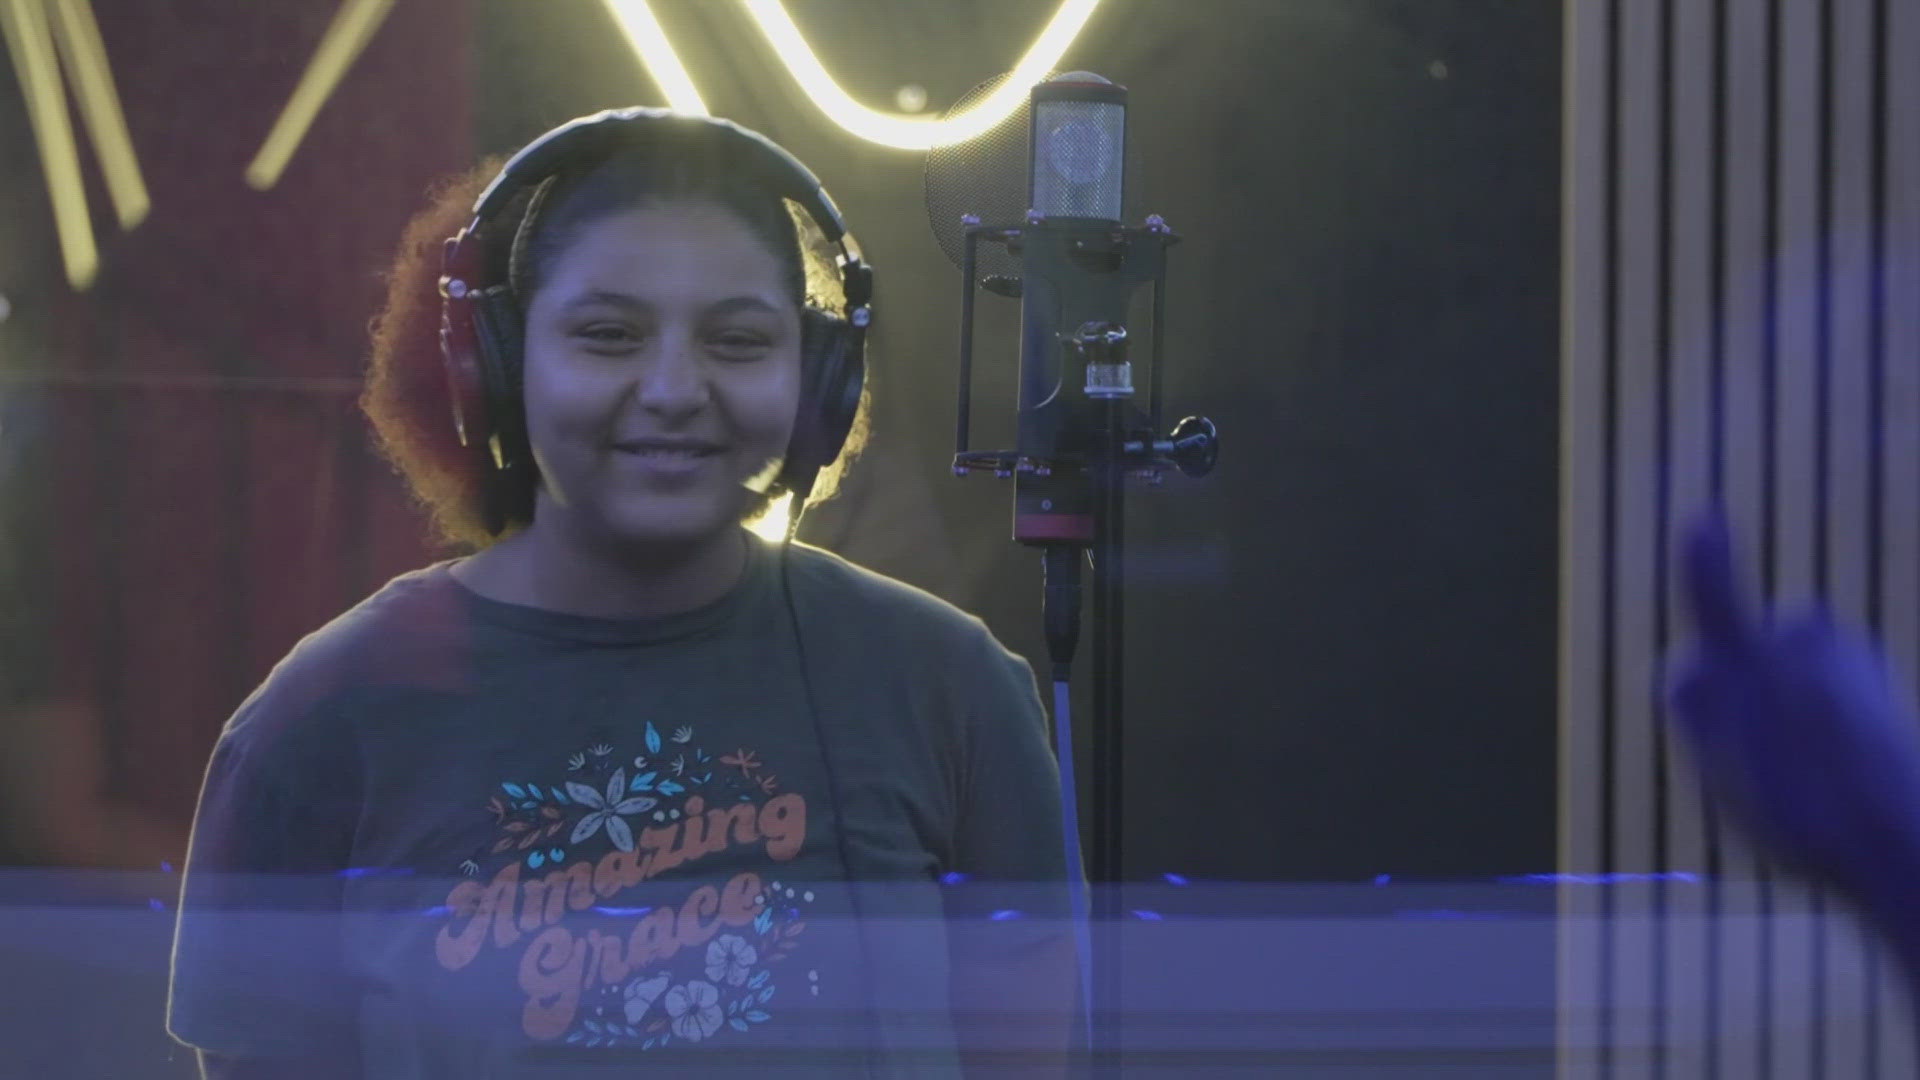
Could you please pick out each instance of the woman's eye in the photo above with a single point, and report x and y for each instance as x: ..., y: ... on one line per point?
x: 740, y: 342
x: 608, y: 334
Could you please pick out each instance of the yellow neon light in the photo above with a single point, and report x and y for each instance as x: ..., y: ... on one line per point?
x: 86, y: 61
x: 649, y: 40
x: 353, y: 26
x: 31, y: 38
x: 906, y: 132
x: 29, y: 43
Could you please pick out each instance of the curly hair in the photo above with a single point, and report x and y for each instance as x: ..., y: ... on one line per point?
x: 406, y: 397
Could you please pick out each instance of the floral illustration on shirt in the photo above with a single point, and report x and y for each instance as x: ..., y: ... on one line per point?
x: 606, y: 824
x: 730, y: 960
x: 608, y: 811
x: 600, y: 794
x: 732, y: 988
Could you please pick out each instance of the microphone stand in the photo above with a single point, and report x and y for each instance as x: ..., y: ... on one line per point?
x: 1070, y: 501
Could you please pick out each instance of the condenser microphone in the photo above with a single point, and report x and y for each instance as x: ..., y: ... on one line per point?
x: 1032, y: 209
x: 1071, y: 295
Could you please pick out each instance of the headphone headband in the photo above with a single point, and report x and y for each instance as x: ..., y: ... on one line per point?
x: 662, y: 130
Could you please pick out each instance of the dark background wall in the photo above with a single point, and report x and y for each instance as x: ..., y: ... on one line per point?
x: 185, y: 484
x: 1341, y: 643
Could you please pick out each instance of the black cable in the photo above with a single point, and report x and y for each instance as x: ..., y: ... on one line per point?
x: 784, y: 557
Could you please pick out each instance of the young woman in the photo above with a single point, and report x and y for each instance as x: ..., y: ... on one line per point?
x: 626, y: 789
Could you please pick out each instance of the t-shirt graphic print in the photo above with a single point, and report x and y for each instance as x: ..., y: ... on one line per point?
x: 706, y: 960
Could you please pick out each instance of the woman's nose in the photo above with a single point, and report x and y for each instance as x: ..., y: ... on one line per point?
x: 673, y: 383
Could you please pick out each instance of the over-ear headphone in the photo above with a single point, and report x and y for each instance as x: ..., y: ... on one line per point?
x: 481, y: 335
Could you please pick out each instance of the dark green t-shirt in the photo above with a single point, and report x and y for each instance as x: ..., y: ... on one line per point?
x: 451, y: 836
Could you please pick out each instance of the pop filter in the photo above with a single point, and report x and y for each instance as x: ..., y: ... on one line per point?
x: 985, y: 176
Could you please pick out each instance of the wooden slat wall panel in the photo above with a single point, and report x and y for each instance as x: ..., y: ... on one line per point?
x: 1792, y: 525
x: 1636, y: 473
x: 1848, y: 432
x: 1742, y: 203
x: 1586, y: 349
x: 1897, y: 259
x: 1686, y: 456
x: 1745, y: 124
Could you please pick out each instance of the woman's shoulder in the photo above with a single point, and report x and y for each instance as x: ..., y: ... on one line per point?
x: 875, y: 617
x: 882, y: 624
x: 410, y: 631
x: 869, y: 598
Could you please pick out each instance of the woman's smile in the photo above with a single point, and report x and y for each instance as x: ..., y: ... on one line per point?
x: 669, y: 457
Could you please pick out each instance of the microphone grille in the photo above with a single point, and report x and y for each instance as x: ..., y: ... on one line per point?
x: 1079, y: 147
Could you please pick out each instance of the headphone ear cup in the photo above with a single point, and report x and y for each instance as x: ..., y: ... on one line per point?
x: 500, y: 337
x: 507, y: 459
x: 832, y: 372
